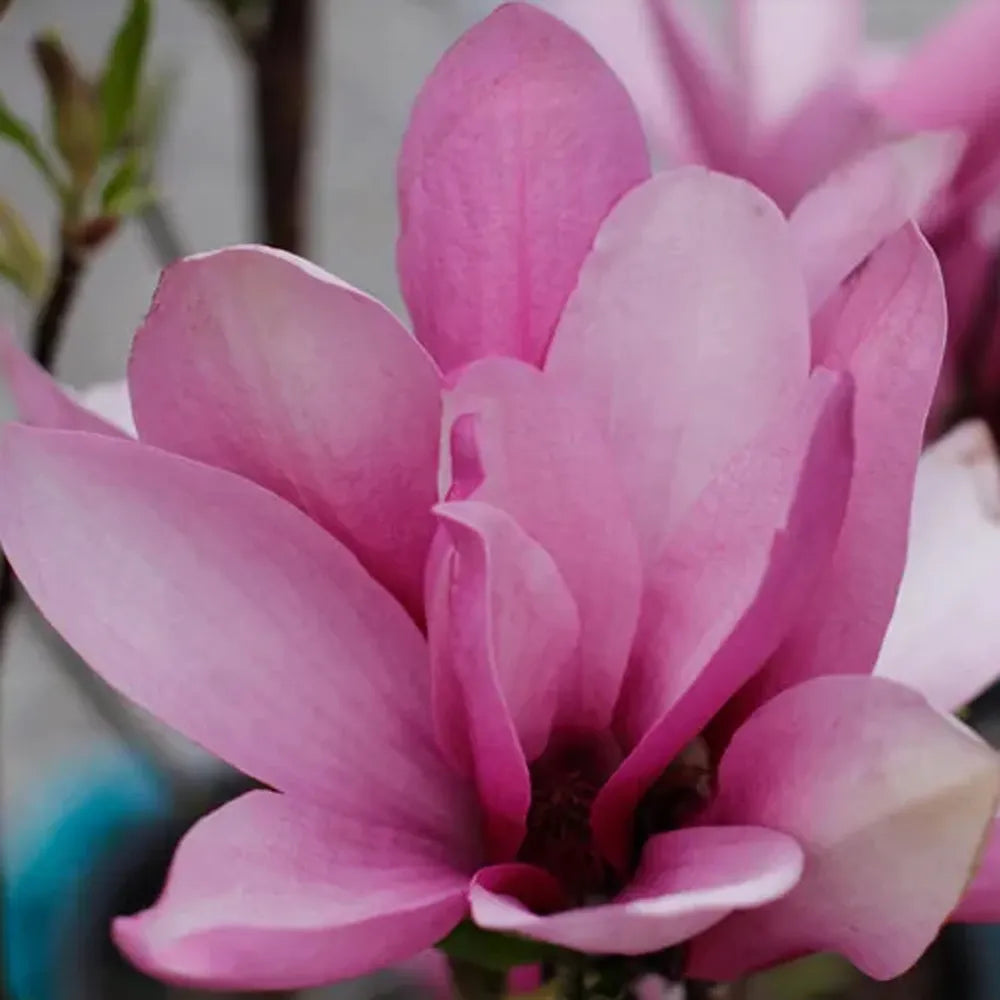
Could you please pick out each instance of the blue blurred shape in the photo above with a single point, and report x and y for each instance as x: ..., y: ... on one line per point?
x: 57, y: 854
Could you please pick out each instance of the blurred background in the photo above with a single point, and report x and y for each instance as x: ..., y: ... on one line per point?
x: 68, y: 784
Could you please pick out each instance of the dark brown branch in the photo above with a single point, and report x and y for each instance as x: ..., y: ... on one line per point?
x: 281, y: 57
x: 45, y: 337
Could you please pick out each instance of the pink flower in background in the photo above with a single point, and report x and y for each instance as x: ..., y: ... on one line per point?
x: 787, y: 93
x: 564, y: 616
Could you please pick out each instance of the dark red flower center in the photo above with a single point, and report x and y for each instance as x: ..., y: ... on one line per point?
x: 565, y: 781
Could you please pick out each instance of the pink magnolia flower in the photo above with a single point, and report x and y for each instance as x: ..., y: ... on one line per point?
x: 790, y: 93
x: 577, y: 640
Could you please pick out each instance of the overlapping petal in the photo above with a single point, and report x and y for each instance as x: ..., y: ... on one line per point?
x: 496, y: 212
x: 728, y: 586
x: 887, y: 328
x: 889, y: 800
x: 944, y: 637
x: 270, y: 892
x: 234, y: 618
x: 41, y: 401
x: 503, y: 627
x: 258, y: 362
x: 687, y: 333
x: 687, y: 881
x: 524, y: 444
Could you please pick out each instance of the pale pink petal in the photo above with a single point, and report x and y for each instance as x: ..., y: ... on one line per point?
x: 527, y: 446
x: 840, y: 222
x: 831, y: 127
x: 706, y: 87
x: 686, y: 334
x: 261, y: 363
x: 519, y: 144
x: 728, y: 586
x: 502, y: 628
x: 890, y: 802
x: 111, y: 402
x: 950, y: 80
x: 981, y: 902
x: 232, y: 616
x: 624, y: 33
x: 944, y: 637
x: 273, y: 893
x: 887, y: 329
x: 687, y: 880
x: 788, y: 50
x: 39, y: 399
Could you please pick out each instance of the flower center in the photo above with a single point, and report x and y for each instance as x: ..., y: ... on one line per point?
x: 565, y: 781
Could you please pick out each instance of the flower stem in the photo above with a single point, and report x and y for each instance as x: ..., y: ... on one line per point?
x: 281, y: 60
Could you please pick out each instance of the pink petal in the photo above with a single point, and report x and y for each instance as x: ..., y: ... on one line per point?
x: 687, y: 881
x: 497, y: 213
x: 273, y: 893
x: 111, y: 402
x: 828, y: 129
x: 623, y: 33
x: 944, y: 637
x: 890, y: 802
x: 705, y: 85
x: 260, y: 363
x: 228, y: 613
x: 525, y: 445
x: 727, y: 587
x: 503, y: 628
x: 981, y: 902
x: 840, y: 222
x: 887, y: 329
x: 788, y: 50
x: 950, y: 80
x: 687, y: 333
x: 39, y: 399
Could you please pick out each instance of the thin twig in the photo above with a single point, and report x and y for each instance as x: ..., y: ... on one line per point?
x: 281, y: 57
x: 46, y: 334
x: 161, y: 233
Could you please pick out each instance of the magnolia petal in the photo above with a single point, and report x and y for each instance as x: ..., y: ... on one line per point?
x: 788, y: 50
x: 728, y: 586
x: 496, y: 212
x: 624, y: 33
x: 686, y: 334
x: 890, y: 802
x: 842, y: 221
x: 523, y: 444
x: 232, y: 616
x: 944, y: 637
x: 502, y: 632
x: 887, y: 329
x: 258, y: 362
x: 40, y: 400
x: 693, y: 66
x: 687, y: 881
x: 111, y: 401
x: 981, y: 902
x: 273, y: 893
x: 949, y: 80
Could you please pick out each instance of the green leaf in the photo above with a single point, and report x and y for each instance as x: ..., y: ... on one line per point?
x: 123, y: 71
x: 121, y: 183
x: 22, y: 261
x: 18, y: 132
x: 493, y: 950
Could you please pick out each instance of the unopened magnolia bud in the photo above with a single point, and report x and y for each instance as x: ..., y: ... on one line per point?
x: 76, y: 113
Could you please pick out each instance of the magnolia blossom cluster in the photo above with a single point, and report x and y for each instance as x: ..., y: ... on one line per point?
x: 614, y: 608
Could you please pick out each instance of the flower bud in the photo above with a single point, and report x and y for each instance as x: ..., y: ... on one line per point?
x: 76, y: 113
